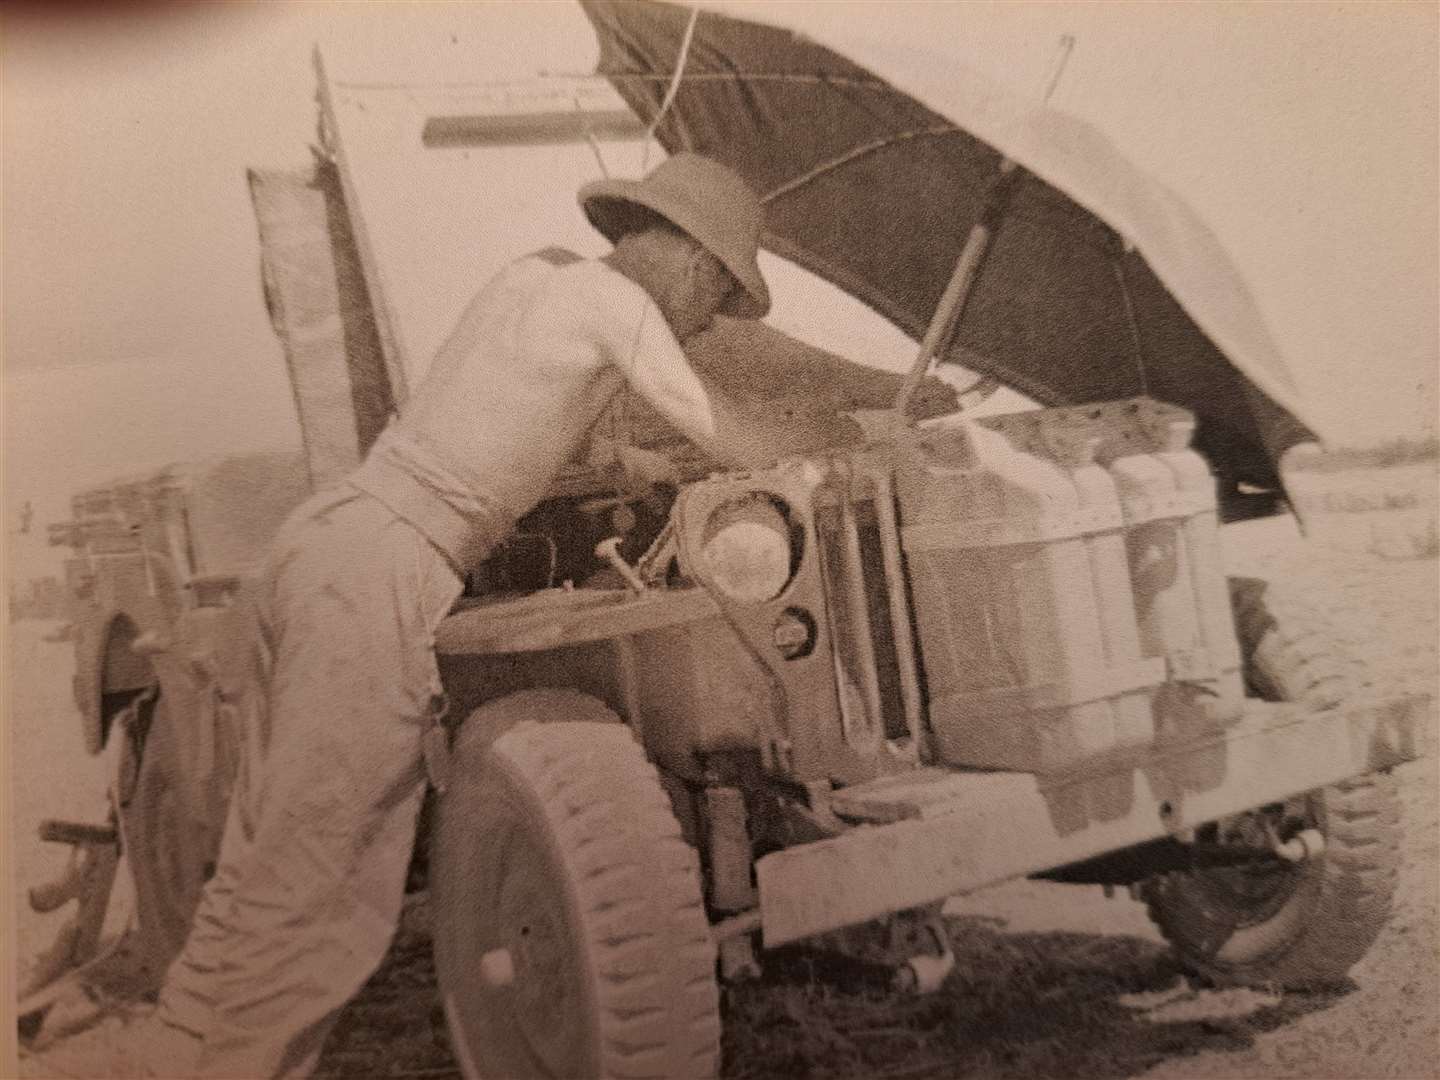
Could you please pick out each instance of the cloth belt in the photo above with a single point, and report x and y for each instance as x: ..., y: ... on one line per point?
x: 465, y: 541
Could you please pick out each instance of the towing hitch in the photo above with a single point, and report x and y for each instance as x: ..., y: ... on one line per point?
x: 1306, y: 844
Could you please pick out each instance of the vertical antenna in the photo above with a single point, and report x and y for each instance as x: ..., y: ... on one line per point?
x: 674, y: 86
x: 590, y: 137
x: 1063, y: 48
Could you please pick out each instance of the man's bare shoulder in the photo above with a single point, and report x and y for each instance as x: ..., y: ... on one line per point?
x: 592, y: 293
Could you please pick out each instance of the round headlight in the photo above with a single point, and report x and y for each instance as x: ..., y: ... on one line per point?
x: 747, y: 548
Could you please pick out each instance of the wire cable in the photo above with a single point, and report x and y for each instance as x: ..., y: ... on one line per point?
x: 674, y: 86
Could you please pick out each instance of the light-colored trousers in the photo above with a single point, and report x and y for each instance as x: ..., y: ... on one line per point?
x: 307, y: 893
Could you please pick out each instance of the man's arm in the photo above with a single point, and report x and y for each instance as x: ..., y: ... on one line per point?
x: 772, y: 365
x: 754, y: 431
x: 722, y: 420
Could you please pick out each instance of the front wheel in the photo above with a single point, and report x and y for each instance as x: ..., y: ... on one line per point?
x: 1295, y: 925
x: 1299, y: 926
x: 570, y: 934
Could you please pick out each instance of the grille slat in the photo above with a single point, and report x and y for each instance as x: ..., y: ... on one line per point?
x: 869, y: 623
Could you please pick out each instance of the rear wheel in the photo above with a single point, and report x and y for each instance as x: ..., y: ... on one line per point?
x: 570, y: 935
x: 1298, y: 925
x: 169, y: 853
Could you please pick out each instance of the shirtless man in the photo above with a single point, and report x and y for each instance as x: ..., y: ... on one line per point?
x: 312, y: 869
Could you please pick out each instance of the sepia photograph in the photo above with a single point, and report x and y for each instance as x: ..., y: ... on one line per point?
x: 720, y: 540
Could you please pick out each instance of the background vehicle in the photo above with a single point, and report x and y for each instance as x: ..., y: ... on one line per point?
x: 805, y: 702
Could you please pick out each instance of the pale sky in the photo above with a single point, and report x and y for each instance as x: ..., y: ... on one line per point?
x: 134, y: 331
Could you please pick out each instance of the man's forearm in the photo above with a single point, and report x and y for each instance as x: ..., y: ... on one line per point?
x: 753, y: 432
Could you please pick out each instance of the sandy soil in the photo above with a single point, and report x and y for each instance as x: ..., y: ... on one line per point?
x: 1051, y: 980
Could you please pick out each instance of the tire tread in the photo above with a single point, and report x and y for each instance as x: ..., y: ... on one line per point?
x: 645, y: 927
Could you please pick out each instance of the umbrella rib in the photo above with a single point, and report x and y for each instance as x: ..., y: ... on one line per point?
x: 852, y: 154
x: 647, y: 76
x: 754, y: 76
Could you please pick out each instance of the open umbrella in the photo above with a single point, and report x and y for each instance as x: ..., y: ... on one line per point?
x: 1097, y: 282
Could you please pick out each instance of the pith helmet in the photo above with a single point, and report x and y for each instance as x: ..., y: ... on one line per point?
x: 703, y: 198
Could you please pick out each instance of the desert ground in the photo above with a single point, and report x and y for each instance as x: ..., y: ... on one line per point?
x: 1051, y: 980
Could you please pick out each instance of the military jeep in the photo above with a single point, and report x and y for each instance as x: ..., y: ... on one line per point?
x: 804, y: 702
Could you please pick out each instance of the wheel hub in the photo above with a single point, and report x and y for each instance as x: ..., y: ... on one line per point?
x: 532, y: 968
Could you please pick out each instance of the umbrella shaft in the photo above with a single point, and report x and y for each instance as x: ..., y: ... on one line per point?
x: 952, y: 302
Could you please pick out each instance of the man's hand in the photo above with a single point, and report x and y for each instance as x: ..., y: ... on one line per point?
x: 935, y: 397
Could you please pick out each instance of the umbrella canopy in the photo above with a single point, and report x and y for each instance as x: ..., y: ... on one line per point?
x: 1099, y: 283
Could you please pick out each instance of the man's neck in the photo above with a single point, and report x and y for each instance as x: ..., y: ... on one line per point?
x: 626, y: 261
x: 631, y: 262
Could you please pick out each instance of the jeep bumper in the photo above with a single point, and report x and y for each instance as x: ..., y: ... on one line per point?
x: 952, y: 832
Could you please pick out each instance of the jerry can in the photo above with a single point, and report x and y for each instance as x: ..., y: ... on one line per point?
x: 1170, y: 430
x: 1009, y: 554
x: 1182, y: 600
x: 1073, y: 442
